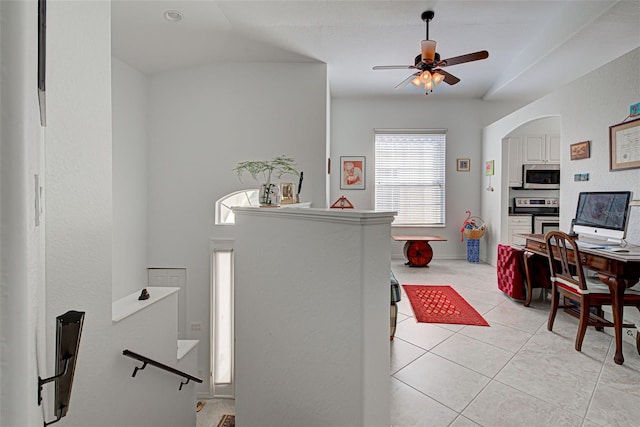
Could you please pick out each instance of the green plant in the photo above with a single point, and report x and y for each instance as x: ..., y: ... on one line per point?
x: 266, y: 169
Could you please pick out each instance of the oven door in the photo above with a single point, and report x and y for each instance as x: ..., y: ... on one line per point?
x: 544, y: 224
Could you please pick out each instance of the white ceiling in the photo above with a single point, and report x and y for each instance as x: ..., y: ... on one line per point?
x: 534, y: 46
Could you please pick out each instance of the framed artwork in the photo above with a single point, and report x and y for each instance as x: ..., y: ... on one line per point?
x: 464, y: 165
x: 287, y: 192
x: 624, y: 145
x: 352, y: 172
x: 580, y: 150
x: 489, y: 168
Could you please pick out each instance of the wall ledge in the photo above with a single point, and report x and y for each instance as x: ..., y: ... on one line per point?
x: 363, y: 217
x: 185, y: 346
x: 125, y: 307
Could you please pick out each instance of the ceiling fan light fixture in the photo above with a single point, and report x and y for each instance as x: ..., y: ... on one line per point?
x: 437, y: 78
x: 428, y: 51
x: 429, y: 65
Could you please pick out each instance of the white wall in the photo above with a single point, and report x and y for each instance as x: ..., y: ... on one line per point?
x: 79, y: 205
x: 22, y: 347
x: 298, y: 312
x: 204, y: 120
x: 129, y: 107
x: 80, y: 228
x: 352, y: 125
x: 539, y: 126
x: 587, y: 107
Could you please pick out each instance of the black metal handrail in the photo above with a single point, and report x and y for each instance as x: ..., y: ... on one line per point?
x: 146, y: 361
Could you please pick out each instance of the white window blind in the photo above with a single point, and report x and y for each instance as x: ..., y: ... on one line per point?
x: 410, y: 175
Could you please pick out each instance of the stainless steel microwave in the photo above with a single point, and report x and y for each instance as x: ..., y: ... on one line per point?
x: 541, y: 176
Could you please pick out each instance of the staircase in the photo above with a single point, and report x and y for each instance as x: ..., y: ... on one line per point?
x: 149, y: 328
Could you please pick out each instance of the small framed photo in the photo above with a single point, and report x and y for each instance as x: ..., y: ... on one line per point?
x: 352, y: 172
x: 287, y: 192
x: 624, y: 145
x: 489, y: 169
x: 464, y: 165
x: 580, y: 150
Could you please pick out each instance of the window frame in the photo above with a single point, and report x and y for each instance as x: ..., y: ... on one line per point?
x: 431, y: 184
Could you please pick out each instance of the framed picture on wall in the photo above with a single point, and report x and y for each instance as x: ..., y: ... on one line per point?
x: 489, y: 168
x: 352, y: 172
x: 624, y: 145
x: 580, y: 150
x: 464, y: 165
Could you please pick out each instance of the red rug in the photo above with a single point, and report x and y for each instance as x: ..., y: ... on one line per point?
x: 441, y: 304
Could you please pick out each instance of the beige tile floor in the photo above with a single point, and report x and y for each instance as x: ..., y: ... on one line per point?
x: 513, y: 373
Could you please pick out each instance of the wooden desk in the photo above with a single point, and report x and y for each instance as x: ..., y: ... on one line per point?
x: 417, y: 250
x: 618, y: 271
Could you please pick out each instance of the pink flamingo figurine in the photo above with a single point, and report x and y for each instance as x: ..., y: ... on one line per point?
x: 464, y: 225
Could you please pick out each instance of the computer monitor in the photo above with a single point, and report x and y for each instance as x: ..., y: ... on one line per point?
x: 602, y: 214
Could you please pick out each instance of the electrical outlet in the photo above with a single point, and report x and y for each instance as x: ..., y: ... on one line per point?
x: 196, y: 327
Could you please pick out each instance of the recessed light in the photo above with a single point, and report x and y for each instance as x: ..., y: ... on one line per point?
x: 173, y: 15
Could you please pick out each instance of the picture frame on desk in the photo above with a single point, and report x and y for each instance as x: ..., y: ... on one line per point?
x: 287, y: 193
x: 624, y: 145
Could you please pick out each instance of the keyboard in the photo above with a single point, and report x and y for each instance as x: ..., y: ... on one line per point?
x: 588, y: 245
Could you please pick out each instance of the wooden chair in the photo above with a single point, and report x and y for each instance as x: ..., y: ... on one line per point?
x: 569, y: 280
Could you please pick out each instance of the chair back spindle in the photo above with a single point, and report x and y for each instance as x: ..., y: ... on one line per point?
x: 565, y: 260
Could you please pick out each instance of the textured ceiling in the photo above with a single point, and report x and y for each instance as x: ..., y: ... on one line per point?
x: 534, y: 46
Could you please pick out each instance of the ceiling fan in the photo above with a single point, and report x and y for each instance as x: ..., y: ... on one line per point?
x: 429, y: 65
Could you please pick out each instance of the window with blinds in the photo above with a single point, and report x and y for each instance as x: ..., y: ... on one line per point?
x: 410, y: 175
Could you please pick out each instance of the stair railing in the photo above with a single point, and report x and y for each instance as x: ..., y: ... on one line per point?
x: 146, y: 361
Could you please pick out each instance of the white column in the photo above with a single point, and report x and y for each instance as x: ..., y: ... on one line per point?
x: 312, y: 317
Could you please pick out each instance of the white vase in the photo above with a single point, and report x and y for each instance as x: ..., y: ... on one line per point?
x: 269, y: 195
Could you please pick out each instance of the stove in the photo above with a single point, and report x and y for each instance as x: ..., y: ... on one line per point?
x: 536, y: 206
x: 545, y: 212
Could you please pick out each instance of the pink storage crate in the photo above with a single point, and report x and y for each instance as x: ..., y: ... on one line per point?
x: 511, y: 272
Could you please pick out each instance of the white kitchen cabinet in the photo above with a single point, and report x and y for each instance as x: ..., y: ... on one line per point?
x: 533, y: 149
x: 530, y: 149
x: 541, y: 149
x: 553, y: 148
x: 518, y: 224
x: 514, y: 166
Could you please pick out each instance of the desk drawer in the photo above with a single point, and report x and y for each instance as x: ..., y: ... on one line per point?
x: 537, y: 247
x: 595, y: 262
x: 588, y: 260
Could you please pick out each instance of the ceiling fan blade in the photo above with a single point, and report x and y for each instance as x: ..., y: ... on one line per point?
x: 406, y: 81
x: 469, y: 57
x: 394, y: 67
x: 448, y: 77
